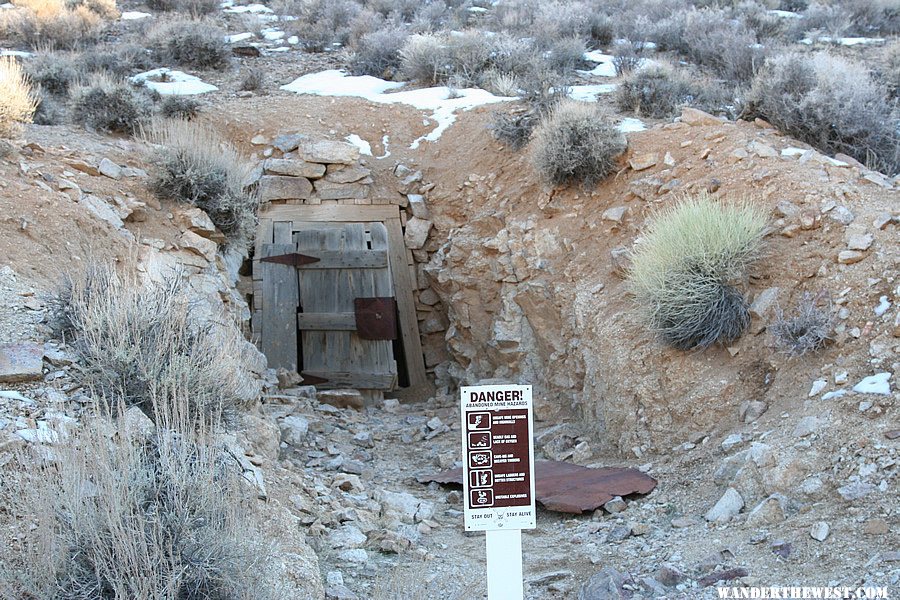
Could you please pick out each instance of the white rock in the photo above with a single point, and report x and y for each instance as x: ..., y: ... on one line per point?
x: 416, y: 233
x: 348, y: 536
x: 819, y: 531
x: 110, y: 169
x: 735, y: 439
x: 728, y: 506
x: 294, y: 430
x: 883, y: 305
x: 806, y: 426
x: 817, y: 386
x: 875, y: 384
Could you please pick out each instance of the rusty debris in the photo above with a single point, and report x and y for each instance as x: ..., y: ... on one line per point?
x: 564, y: 487
x: 294, y: 259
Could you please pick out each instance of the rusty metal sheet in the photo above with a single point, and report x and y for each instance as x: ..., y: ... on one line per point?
x: 564, y: 487
x: 294, y: 259
x: 376, y: 318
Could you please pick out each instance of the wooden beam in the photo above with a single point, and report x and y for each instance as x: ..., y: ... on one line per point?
x: 331, y: 212
x: 406, y: 305
x: 346, y: 259
x: 278, y: 333
x: 326, y: 321
x: 361, y: 381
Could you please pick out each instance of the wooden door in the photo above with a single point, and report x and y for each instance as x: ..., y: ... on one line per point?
x: 339, y: 271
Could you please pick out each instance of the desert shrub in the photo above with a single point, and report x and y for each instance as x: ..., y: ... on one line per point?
x: 873, y: 17
x: 17, y: 98
x: 378, y: 53
x: 104, y: 8
x: 565, y: 54
x: 194, y: 44
x: 807, y: 330
x: 723, y: 45
x: 161, y: 515
x: 756, y: 17
x: 50, y: 109
x: 831, y: 103
x: 54, y: 72
x: 120, y: 60
x: 890, y: 72
x: 50, y: 25
x: 688, y: 270
x: 793, y: 5
x: 143, y: 344
x: 827, y: 19
x: 179, y: 107
x: 514, y: 129
x: 322, y: 24
x: 252, y: 79
x: 627, y: 56
x: 194, y: 164
x: 540, y: 89
x: 582, y: 20
x: 576, y: 142
x: 660, y: 92
x: 109, y: 105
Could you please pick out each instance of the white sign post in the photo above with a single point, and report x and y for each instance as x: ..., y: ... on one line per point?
x: 498, y: 478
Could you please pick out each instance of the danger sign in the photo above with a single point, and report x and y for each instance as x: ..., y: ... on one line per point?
x: 498, y: 465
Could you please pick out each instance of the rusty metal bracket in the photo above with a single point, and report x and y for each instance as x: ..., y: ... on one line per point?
x: 312, y: 379
x: 293, y: 259
x: 376, y: 318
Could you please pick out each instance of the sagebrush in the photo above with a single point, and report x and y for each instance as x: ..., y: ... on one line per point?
x: 143, y: 344
x: 576, y: 143
x: 194, y: 164
x: 106, y: 104
x: 660, y: 91
x: 17, y: 98
x: 160, y: 515
x: 689, y: 268
x: 830, y: 103
x: 54, y: 24
x: 194, y: 44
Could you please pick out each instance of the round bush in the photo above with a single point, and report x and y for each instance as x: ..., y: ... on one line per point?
x: 108, y: 105
x: 576, y: 142
x: 688, y: 271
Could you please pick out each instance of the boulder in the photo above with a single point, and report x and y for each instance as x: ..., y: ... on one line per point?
x: 728, y: 506
x: 693, y: 116
x: 196, y: 220
x: 110, y: 169
x: 282, y: 187
x: 294, y: 168
x: 346, y: 173
x: 416, y: 232
x: 329, y: 190
x: 198, y: 245
x: 21, y: 362
x: 328, y: 151
x: 342, y: 398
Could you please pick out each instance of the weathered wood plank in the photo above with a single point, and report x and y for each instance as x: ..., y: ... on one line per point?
x: 282, y: 232
x: 331, y: 212
x: 406, y: 306
x: 323, y: 321
x: 361, y: 381
x: 279, y: 320
x: 347, y: 259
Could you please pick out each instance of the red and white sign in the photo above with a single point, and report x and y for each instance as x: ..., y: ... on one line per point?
x: 498, y: 457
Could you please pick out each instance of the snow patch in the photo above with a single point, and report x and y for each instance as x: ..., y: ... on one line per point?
x: 785, y: 14
x: 293, y: 40
x: 272, y: 34
x: 792, y: 151
x: 175, y: 83
x: 134, y: 15
x: 16, y: 53
x: 843, y: 41
x: 364, y: 146
x: 438, y: 100
x: 875, y: 384
x: 249, y: 8
x: 384, y: 142
x: 834, y: 394
x: 238, y: 37
x: 630, y: 125
x: 477, y: 9
x: 590, y: 93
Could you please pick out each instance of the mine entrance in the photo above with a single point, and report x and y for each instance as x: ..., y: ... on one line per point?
x: 333, y: 297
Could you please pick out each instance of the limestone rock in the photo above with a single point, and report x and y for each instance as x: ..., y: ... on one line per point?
x: 281, y: 187
x: 608, y: 584
x: 752, y: 410
x: 860, y: 241
x: 616, y: 505
x: 198, y: 245
x: 328, y: 151
x: 407, y: 507
x: 285, y: 143
x: 346, y: 173
x: 348, y: 536
x: 294, y: 168
x: 762, y: 150
x: 416, y: 233
x: 728, y: 506
x: 820, y: 531
x: 196, y: 220
x: 644, y: 161
x: 102, y: 210
x: 849, y: 257
x: 769, y: 511
x: 762, y: 305
x: 342, y: 398
x: 409, y: 183
x: 693, y: 116
x: 294, y: 430
x: 110, y: 169
x: 418, y: 207
x: 646, y: 188
x: 21, y: 362
x: 329, y: 190
x: 614, y: 214
x: 806, y: 426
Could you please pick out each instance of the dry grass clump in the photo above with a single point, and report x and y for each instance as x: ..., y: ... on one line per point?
x: 193, y: 44
x: 576, y: 142
x: 143, y: 344
x: 253, y: 79
x: 194, y: 164
x: 106, y: 104
x: 17, y: 98
x: 184, y: 108
x: 54, y: 24
x: 540, y: 90
x: 830, y: 103
x: 808, y: 329
x: 687, y: 271
x: 660, y: 92
x: 125, y: 514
